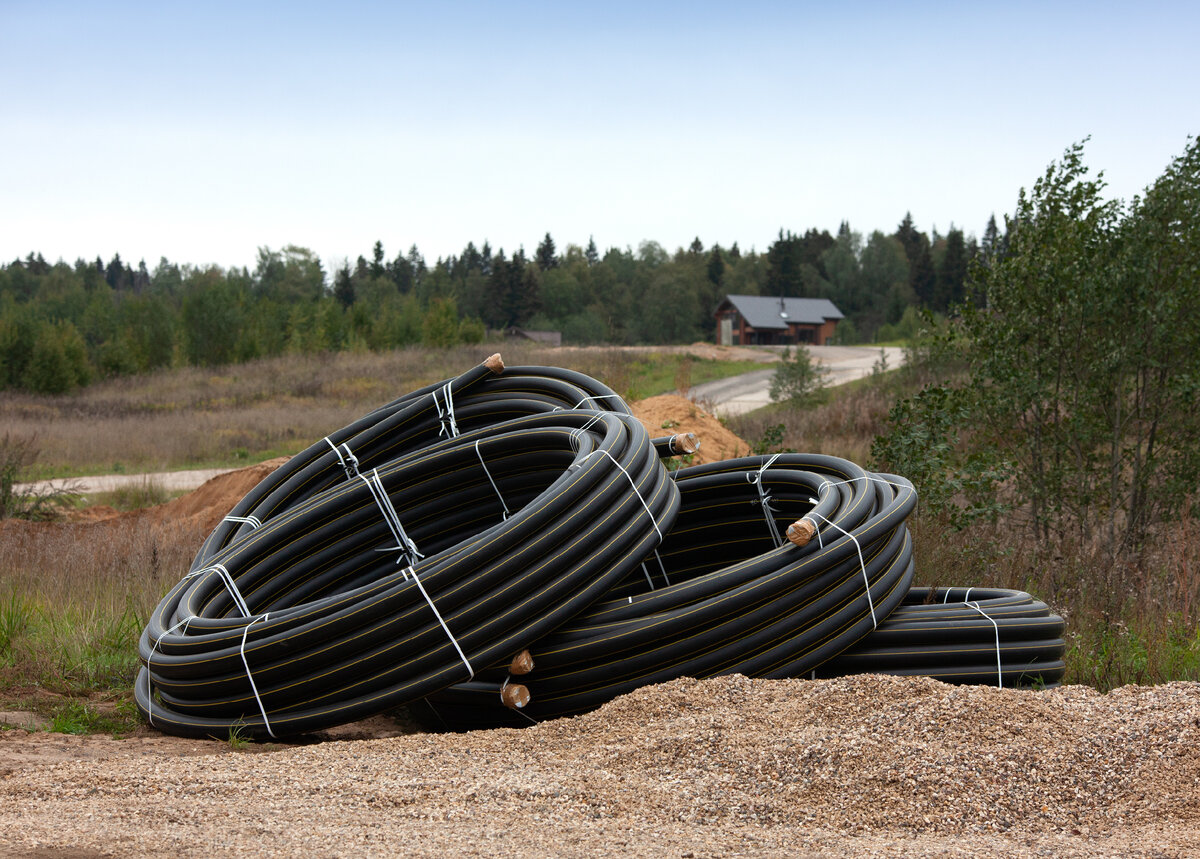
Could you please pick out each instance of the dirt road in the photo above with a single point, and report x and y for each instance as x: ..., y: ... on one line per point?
x: 740, y: 394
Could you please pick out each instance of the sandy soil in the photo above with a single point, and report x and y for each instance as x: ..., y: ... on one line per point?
x: 864, y: 766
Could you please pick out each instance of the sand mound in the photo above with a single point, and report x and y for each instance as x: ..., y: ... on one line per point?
x: 216, y: 497
x: 670, y: 413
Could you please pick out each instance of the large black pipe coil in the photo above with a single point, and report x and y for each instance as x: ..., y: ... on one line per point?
x: 485, y: 395
x: 725, y: 592
x: 962, y: 635
x: 308, y: 608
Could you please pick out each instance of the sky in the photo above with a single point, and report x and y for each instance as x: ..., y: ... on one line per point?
x: 201, y: 132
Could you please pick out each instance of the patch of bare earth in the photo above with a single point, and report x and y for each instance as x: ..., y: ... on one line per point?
x: 855, y: 766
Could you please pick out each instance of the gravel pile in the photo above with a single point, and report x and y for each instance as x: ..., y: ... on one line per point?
x: 724, y: 767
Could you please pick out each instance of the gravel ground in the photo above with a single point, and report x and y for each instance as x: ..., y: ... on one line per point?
x: 862, y: 766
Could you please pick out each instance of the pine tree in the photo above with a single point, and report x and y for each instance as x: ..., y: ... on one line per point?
x: 377, y: 266
x: 592, y: 255
x: 545, y: 254
x: 952, y: 274
x: 343, y: 286
x: 716, y: 266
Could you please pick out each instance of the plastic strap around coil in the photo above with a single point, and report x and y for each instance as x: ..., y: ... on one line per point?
x: 595, y: 400
x: 150, y: 659
x: 446, y: 418
x: 661, y: 566
x: 621, y: 468
x: 349, y: 462
x: 250, y: 677
x: 862, y: 563
x: 966, y: 596
x: 756, y: 477
x: 253, y: 521
x: 999, y: 665
x: 407, y: 548
x: 493, y: 482
x: 230, y: 586
x: 438, y: 615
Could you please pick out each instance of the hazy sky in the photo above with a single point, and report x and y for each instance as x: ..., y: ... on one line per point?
x: 201, y: 131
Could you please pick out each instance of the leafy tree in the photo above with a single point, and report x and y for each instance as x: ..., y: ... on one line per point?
x: 1082, y: 382
x: 58, y: 361
x: 212, y: 317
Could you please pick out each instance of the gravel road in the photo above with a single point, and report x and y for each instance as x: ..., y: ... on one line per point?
x: 857, y: 766
x: 740, y: 394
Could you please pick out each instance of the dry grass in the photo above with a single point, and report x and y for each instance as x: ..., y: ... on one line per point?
x: 844, y: 425
x: 248, y: 412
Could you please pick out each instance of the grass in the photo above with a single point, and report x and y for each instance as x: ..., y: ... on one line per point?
x: 82, y: 717
x: 143, y: 493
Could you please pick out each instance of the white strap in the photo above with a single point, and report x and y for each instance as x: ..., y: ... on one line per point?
x: 250, y: 677
x: 862, y: 563
x: 149, y: 689
x: 756, y: 477
x: 438, y: 615
x: 646, y: 572
x: 966, y: 596
x: 230, y: 586
x: 349, y: 461
x: 577, y: 434
x: 595, y: 400
x: 252, y: 521
x: 489, y: 477
x: 446, y: 418
x: 406, y: 547
x: 662, y: 567
x: 631, y: 483
x: 999, y: 666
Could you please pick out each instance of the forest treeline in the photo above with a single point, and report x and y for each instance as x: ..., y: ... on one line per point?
x: 63, y: 325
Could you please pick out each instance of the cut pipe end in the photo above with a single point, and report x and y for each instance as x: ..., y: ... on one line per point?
x: 514, y: 696
x: 495, y: 363
x: 684, y: 443
x: 801, y: 531
x: 522, y: 663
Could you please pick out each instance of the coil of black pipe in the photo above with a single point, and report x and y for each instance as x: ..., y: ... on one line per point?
x: 962, y: 635
x: 293, y: 619
x: 725, y: 593
x: 487, y: 394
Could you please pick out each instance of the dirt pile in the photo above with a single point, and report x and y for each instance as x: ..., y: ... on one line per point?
x: 670, y: 413
x: 215, y: 498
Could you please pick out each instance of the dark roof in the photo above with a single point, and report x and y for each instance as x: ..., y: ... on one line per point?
x: 762, y: 311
